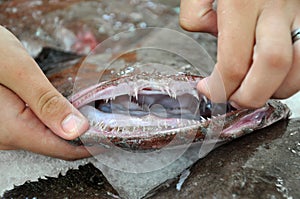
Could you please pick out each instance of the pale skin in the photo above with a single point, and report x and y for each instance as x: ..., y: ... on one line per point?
x: 34, y: 115
x: 256, y: 59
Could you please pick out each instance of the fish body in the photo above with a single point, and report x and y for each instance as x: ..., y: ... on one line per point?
x: 152, y: 111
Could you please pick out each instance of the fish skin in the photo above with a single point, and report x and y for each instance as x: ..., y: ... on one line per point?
x: 233, y: 124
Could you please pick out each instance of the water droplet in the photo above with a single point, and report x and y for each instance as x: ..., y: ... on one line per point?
x: 293, y: 133
x: 117, y: 25
x: 142, y: 25
x: 129, y: 69
x: 281, y: 188
x: 14, y: 10
x: 106, y: 17
x: 131, y: 28
x: 101, y: 29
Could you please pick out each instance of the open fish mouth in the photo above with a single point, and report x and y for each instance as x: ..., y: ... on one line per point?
x: 148, y: 111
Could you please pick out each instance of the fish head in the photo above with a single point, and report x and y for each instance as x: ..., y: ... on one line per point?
x: 148, y: 111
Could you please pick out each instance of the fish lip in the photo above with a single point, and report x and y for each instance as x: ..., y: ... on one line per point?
x: 80, y: 98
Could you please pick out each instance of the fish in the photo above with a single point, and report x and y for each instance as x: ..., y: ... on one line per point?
x: 151, y: 111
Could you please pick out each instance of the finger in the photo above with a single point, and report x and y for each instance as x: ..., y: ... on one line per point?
x: 35, y: 137
x: 291, y: 83
x: 236, y: 25
x: 20, y: 73
x: 198, y: 15
x: 4, y: 147
x: 21, y: 129
x: 271, y: 61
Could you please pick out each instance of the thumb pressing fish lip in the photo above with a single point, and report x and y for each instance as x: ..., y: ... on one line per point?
x: 148, y: 111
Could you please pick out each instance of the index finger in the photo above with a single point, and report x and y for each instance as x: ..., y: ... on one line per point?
x: 236, y: 25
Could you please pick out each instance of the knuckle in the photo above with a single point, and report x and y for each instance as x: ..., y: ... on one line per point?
x: 276, y: 58
x: 51, y: 104
x: 235, y: 74
x: 233, y: 71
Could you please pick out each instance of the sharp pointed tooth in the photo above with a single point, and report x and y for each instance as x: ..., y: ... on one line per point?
x: 136, y: 92
x: 205, y: 99
x: 168, y: 91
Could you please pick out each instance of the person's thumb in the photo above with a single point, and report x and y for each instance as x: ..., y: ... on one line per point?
x: 58, y: 114
x: 198, y: 15
x: 20, y: 73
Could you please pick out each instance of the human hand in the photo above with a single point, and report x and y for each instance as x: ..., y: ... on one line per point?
x: 256, y: 58
x: 34, y: 116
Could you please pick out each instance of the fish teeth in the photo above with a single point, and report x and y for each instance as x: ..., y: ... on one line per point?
x: 166, y: 125
x: 205, y: 99
x: 104, y: 126
x: 202, y: 118
x: 136, y: 93
x: 168, y: 91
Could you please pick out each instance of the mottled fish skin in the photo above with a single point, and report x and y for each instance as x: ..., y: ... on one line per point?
x: 152, y: 132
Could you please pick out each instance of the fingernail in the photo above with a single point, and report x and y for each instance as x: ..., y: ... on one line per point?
x: 73, y: 125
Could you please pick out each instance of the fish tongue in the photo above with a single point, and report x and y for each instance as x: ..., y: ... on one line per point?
x: 115, y: 120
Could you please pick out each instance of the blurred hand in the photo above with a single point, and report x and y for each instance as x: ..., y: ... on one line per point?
x: 256, y: 59
x: 34, y: 116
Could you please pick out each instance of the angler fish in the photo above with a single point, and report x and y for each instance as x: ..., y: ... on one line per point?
x: 151, y: 111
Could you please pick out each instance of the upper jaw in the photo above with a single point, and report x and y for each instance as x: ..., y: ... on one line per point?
x: 153, y: 95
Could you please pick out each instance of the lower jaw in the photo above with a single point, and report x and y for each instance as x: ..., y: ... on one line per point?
x: 126, y: 134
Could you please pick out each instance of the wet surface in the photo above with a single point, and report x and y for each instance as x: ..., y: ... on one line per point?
x: 259, y: 165
x: 264, y: 164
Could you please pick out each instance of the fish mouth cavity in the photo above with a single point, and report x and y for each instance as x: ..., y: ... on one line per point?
x: 149, y: 111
